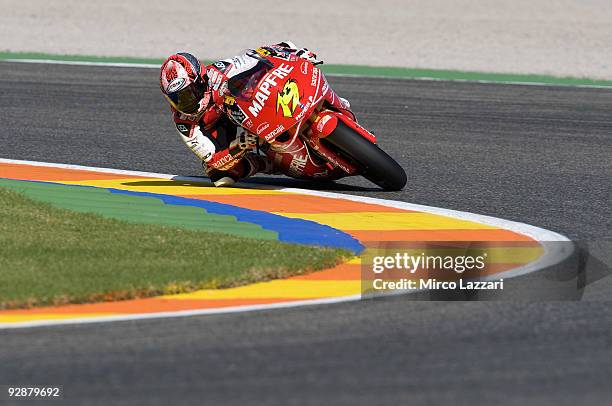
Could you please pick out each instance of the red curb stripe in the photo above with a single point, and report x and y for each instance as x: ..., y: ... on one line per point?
x: 373, y: 238
x: 291, y: 204
x: 28, y: 172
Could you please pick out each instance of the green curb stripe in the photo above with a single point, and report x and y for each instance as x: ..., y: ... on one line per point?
x: 353, y: 70
x: 136, y: 209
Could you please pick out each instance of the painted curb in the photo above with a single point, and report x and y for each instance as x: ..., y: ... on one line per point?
x: 371, y: 221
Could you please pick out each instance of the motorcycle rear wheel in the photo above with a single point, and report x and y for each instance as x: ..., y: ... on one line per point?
x: 376, y: 165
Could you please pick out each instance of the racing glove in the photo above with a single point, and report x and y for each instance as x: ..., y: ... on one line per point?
x: 303, y: 53
x: 309, y: 56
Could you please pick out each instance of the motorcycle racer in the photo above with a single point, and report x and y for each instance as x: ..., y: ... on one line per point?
x: 205, y: 118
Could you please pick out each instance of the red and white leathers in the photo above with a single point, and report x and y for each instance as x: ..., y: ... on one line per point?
x: 213, y: 135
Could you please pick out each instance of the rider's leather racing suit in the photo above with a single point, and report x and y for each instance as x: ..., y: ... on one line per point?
x: 214, y: 138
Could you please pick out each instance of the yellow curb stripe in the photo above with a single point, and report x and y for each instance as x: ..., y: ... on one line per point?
x: 353, y: 261
x: 16, y: 318
x: 158, y: 186
x: 278, y: 289
x: 382, y: 221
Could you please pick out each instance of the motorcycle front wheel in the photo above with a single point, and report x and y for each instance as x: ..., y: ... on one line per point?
x: 376, y: 165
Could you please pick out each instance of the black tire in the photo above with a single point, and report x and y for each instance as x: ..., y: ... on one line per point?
x: 377, y: 166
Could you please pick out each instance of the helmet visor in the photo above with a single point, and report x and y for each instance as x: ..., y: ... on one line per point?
x: 187, y: 100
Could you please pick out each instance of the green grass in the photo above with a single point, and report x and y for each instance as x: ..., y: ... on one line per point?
x: 355, y: 70
x: 136, y: 209
x: 52, y: 256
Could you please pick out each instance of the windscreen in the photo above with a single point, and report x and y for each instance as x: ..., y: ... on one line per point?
x: 243, y: 85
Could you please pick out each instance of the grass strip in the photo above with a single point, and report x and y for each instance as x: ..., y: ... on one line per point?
x: 135, y: 209
x: 52, y: 256
x: 353, y: 70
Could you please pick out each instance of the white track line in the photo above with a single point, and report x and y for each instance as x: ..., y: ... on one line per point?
x: 553, y: 252
x: 88, y: 63
x: 180, y: 313
x: 420, y: 78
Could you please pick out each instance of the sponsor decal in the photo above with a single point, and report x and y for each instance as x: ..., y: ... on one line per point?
x: 304, y: 109
x: 298, y: 163
x: 204, y: 151
x: 315, y: 76
x: 263, y: 90
x: 219, y: 163
x: 175, y: 85
x: 188, y: 117
x: 182, y: 128
x: 248, y: 124
x: 280, y: 53
x: 338, y: 164
x: 288, y: 98
x: 277, y: 131
x: 221, y: 65
x: 304, y: 68
x: 262, y: 127
x: 223, y: 88
x: 215, y: 79
x: 237, y: 115
x: 322, y: 123
x: 263, y: 52
x: 243, y: 62
x: 234, y: 111
x: 201, y: 145
x: 325, y: 87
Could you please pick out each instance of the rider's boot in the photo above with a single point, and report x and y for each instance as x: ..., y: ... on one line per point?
x: 222, y: 178
x: 250, y: 165
x: 224, y: 181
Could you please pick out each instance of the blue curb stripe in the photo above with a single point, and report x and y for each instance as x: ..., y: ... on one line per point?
x: 289, y: 230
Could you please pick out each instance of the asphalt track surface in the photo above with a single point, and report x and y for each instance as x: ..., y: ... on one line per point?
x: 540, y: 155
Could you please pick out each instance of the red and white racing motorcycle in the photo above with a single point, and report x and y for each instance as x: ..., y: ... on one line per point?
x: 287, y: 102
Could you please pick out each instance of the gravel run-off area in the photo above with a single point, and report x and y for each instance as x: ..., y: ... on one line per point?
x: 553, y: 37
